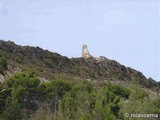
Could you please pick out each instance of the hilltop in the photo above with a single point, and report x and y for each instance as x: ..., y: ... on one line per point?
x: 50, y: 64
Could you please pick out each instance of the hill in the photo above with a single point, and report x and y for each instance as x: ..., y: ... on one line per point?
x: 37, y: 84
x: 49, y: 65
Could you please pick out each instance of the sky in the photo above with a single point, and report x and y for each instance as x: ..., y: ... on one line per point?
x: 123, y: 30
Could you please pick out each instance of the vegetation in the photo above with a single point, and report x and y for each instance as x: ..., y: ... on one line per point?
x: 3, y: 62
x: 53, y: 87
x: 45, y: 63
x: 24, y: 97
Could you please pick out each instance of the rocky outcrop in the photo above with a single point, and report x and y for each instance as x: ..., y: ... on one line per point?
x: 9, y: 72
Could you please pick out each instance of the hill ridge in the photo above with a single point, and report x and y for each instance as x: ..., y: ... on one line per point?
x: 49, y: 64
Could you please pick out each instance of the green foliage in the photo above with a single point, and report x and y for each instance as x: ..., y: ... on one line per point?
x: 26, y: 88
x: 156, y: 104
x: 2, y: 97
x: 119, y: 90
x: 99, y: 111
x: 138, y: 94
x: 61, y: 64
x: 48, y: 62
x: 107, y: 103
x: 57, y: 88
x: 66, y: 100
x: 76, y: 70
x: 18, y: 59
x: 85, y: 117
x: 43, y: 113
x: 68, y: 107
x: 3, y: 62
x: 77, y: 101
x: 25, y: 79
x: 13, y: 110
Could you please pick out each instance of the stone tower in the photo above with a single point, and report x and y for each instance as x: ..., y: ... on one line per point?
x: 85, y: 53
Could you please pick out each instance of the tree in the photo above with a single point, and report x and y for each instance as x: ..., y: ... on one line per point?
x: 119, y: 90
x: 13, y: 110
x: 85, y: 117
x: 26, y: 88
x: 2, y: 97
x: 99, y: 111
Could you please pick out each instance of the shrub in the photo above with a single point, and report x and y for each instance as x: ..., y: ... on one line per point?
x: 3, y: 62
x: 119, y: 90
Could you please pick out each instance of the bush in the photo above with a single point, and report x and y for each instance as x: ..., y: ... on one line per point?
x: 119, y: 90
x: 66, y: 100
x: 26, y: 88
x: 138, y: 94
x: 3, y: 62
x: 13, y: 110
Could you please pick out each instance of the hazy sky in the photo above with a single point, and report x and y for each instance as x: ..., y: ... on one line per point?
x: 124, y: 30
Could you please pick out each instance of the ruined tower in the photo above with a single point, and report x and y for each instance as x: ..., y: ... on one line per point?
x: 85, y: 53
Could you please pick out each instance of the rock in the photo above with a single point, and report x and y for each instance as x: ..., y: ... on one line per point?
x: 1, y: 78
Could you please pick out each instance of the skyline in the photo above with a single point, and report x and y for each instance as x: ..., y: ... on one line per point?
x: 125, y: 31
